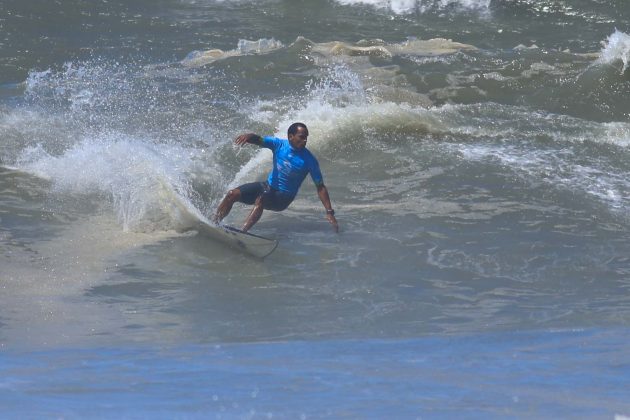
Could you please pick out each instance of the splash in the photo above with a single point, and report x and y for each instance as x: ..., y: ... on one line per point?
x: 120, y: 136
x: 616, y: 48
x: 145, y: 184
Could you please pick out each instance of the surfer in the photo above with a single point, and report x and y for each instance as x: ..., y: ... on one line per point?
x: 292, y: 161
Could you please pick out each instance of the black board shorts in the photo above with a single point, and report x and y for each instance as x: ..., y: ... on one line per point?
x: 272, y: 199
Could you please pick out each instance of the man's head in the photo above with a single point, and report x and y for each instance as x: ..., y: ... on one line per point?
x: 298, y: 134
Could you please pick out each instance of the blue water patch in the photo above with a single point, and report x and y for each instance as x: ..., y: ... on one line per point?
x: 526, y: 374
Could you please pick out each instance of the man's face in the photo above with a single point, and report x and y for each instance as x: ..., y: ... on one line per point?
x: 298, y: 140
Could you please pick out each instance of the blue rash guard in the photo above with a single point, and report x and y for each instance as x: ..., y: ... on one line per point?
x: 290, y: 166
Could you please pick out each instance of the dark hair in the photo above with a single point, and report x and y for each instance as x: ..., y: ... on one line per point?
x: 293, y: 128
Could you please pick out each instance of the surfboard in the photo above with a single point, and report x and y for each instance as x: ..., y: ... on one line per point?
x: 255, y: 245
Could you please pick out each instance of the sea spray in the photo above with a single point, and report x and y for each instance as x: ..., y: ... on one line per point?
x: 100, y: 95
x: 616, y: 48
x: 117, y: 131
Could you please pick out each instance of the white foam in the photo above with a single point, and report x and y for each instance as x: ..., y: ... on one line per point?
x: 401, y: 7
x: 397, y: 6
x: 556, y: 170
x: 616, y: 48
x: 616, y: 133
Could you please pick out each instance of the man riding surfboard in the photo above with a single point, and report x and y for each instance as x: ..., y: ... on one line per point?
x: 292, y: 161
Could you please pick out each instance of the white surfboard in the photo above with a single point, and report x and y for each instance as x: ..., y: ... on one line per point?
x: 255, y: 245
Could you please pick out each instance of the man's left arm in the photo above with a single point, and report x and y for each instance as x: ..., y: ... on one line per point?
x: 322, y: 192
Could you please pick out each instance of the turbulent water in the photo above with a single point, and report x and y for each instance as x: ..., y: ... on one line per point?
x: 477, y: 153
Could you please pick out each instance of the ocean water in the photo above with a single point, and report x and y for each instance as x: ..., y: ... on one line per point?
x: 477, y: 153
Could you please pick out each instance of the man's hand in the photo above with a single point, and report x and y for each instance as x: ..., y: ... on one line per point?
x: 250, y: 138
x: 322, y: 192
x: 333, y: 222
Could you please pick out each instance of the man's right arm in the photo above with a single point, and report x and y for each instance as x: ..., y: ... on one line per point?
x: 250, y: 138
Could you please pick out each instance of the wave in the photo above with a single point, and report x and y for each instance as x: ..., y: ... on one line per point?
x: 549, y: 150
x: 244, y: 47
x: 365, y: 48
x: 558, y: 171
x: 345, y: 116
x: 542, y: 148
x: 70, y: 130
